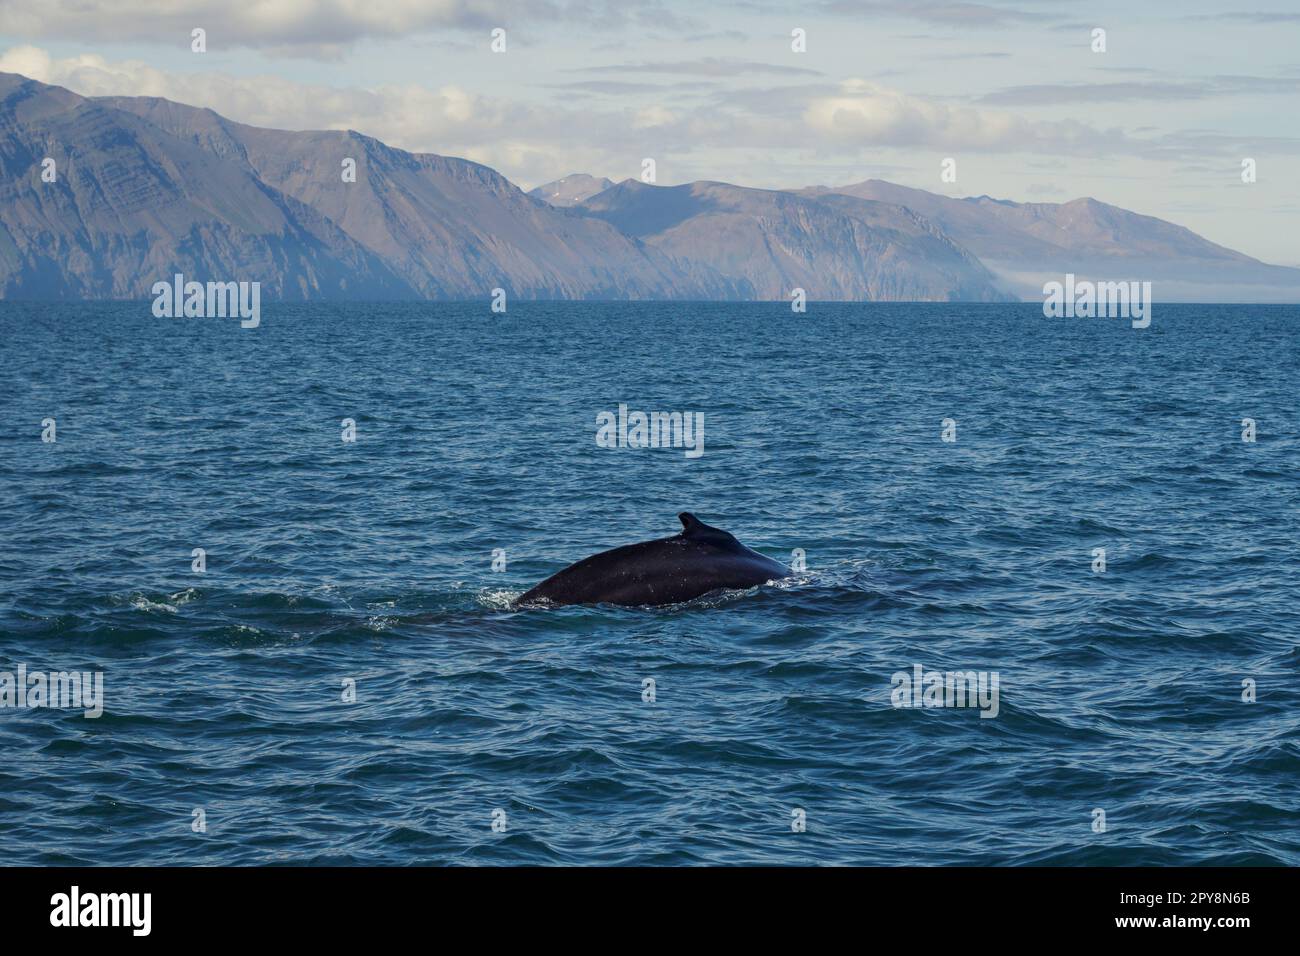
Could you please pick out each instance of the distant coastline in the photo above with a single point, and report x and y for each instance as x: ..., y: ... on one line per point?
x: 136, y: 189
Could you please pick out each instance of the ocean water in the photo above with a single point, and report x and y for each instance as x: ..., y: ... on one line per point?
x: 368, y: 564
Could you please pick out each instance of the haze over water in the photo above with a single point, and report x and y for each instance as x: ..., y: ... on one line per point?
x: 372, y: 562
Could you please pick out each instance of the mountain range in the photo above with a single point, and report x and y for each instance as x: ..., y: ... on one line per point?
x: 143, y: 188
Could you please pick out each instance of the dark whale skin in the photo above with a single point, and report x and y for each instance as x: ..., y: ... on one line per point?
x: 654, y: 573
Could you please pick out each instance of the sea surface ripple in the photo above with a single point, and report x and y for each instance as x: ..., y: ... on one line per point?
x: 371, y: 562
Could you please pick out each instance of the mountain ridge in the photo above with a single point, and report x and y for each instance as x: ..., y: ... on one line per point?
x: 452, y: 228
x: 121, y: 213
x: 147, y: 187
x: 1025, y: 244
x: 571, y: 189
x: 778, y: 241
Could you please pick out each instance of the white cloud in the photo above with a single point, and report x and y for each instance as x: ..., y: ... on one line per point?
x: 652, y: 116
x: 534, y: 142
x: 312, y: 28
x: 525, y: 141
x: 30, y: 61
x: 869, y: 114
x: 411, y: 116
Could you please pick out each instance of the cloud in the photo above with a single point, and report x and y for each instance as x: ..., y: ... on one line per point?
x: 953, y: 13
x: 451, y: 120
x: 527, y: 141
x: 714, y: 66
x: 737, y: 36
x: 969, y: 56
x: 311, y: 28
x: 1251, y: 16
x: 30, y: 61
x: 1054, y: 94
x: 653, y: 116
x: 411, y: 116
x: 868, y: 114
x: 615, y: 87
x: 531, y: 140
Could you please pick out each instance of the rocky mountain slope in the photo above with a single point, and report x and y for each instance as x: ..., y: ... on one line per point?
x: 130, y: 205
x: 836, y: 247
x: 1025, y: 244
x: 571, y: 190
x: 146, y: 188
x: 449, y: 227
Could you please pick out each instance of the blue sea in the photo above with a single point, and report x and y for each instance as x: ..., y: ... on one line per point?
x: 347, y: 681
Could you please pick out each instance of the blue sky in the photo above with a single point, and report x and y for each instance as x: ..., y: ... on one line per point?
x: 1158, y: 123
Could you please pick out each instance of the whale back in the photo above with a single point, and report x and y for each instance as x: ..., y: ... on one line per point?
x: 698, y: 559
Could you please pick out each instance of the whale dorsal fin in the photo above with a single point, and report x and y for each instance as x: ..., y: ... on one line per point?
x: 694, y: 528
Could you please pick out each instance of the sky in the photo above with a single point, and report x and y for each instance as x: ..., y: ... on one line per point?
x: 1014, y: 92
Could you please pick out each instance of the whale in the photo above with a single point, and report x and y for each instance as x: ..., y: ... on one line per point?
x: 697, y: 560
